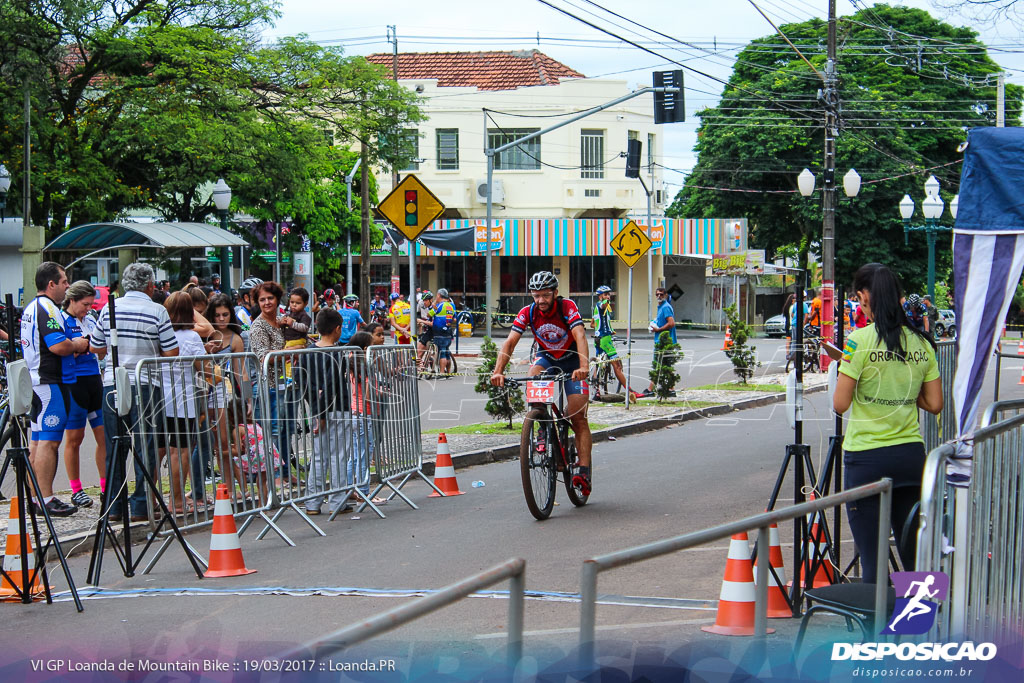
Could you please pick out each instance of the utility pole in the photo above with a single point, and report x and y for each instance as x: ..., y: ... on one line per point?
x: 1000, y: 100
x: 365, y: 248
x: 396, y: 138
x: 828, y: 228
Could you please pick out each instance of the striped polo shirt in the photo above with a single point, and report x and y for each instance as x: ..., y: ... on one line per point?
x: 143, y: 331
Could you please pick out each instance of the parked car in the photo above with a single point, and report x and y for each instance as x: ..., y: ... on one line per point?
x: 946, y: 324
x: 775, y: 326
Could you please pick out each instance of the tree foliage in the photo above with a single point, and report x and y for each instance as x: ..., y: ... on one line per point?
x: 502, y: 402
x: 743, y: 356
x: 143, y: 104
x: 663, y: 366
x: 909, y: 87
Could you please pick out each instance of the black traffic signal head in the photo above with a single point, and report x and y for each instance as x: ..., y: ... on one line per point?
x: 411, y: 208
x: 633, y: 158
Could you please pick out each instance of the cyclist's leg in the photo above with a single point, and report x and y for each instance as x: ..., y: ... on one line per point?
x: 576, y: 410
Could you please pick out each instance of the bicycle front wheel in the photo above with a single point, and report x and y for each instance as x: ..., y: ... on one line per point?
x: 536, y: 464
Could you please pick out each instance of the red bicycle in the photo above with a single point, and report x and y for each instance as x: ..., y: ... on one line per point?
x: 547, y: 450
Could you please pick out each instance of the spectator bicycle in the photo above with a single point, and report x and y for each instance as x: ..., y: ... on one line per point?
x: 430, y: 363
x: 547, y: 449
x: 812, y: 351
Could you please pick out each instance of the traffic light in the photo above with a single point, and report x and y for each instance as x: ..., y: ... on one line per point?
x: 411, y: 208
x: 669, y: 107
x: 633, y: 148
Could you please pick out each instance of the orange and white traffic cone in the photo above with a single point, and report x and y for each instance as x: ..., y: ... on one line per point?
x: 444, y: 470
x: 11, y: 584
x: 1020, y: 348
x: 728, y: 339
x: 1021, y: 375
x: 225, y: 549
x: 778, y: 607
x: 818, y: 554
x: 736, y: 600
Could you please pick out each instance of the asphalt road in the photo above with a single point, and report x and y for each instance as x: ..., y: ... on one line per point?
x: 647, y: 487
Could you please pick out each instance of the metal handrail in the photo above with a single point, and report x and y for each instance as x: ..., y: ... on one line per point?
x: 593, y: 566
x: 513, y: 569
x: 992, y: 411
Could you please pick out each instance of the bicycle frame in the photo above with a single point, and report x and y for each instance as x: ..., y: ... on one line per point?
x: 554, y: 413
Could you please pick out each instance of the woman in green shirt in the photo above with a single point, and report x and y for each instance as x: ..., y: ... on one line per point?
x: 888, y: 371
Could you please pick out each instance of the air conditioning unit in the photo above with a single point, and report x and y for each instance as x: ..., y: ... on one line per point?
x: 497, y: 195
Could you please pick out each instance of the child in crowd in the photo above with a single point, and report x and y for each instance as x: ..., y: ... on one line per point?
x: 249, y: 450
x: 328, y: 396
x: 295, y: 325
x: 361, y: 429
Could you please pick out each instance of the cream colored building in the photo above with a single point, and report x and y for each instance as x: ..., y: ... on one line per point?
x: 558, y: 197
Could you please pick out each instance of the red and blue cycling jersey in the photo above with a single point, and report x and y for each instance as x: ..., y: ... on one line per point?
x: 553, y: 330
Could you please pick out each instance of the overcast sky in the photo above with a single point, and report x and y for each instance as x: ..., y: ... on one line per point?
x: 725, y: 25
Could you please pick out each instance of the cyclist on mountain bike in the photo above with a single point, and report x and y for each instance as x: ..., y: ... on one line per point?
x: 603, y: 334
x: 562, y: 341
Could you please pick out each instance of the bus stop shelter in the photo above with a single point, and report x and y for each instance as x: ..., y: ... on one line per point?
x: 128, y: 238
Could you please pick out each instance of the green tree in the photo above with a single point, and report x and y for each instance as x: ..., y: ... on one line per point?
x: 502, y: 402
x: 908, y: 87
x: 743, y: 356
x: 144, y: 103
x: 663, y: 366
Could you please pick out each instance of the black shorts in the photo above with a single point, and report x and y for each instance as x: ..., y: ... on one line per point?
x: 87, y: 392
x: 177, y: 432
x: 426, y: 336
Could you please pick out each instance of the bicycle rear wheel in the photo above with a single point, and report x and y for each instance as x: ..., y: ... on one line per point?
x: 575, y: 495
x: 537, y: 467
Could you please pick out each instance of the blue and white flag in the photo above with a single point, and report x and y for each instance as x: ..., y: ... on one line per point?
x: 988, y: 256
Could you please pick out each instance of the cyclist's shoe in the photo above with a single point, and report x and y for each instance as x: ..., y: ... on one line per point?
x: 582, y: 482
x: 81, y: 499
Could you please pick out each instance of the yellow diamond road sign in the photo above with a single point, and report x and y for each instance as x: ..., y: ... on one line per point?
x: 411, y: 207
x: 630, y: 243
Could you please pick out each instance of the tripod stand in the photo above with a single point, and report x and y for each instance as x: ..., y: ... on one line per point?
x: 117, y: 472
x: 17, y: 454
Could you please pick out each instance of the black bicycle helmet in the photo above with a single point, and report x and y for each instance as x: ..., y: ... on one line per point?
x: 351, y: 297
x: 542, y: 280
x: 427, y: 294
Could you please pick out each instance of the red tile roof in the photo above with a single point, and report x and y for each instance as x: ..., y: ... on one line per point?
x: 482, y: 70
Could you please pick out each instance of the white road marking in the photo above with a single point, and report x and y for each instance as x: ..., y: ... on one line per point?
x: 601, y: 627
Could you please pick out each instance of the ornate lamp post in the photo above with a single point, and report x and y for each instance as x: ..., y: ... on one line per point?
x: 222, y: 200
x: 932, y: 207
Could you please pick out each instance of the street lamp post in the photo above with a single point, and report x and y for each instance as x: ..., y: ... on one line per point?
x: 222, y: 200
x: 932, y: 207
x: 851, y: 186
x: 5, y: 185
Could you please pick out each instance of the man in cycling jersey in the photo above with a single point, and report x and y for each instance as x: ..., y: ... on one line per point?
x: 425, y: 323
x: 400, y: 314
x: 442, y: 320
x: 603, y: 334
x: 814, y: 314
x: 562, y: 341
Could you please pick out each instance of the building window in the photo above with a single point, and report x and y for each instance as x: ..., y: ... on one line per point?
x: 522, y: 157
x: 591, y: 193
x: 447, y: 149
x: 632, y: 135
x: 409, y: 148
x: 591, y: 153
x: 650, y: 152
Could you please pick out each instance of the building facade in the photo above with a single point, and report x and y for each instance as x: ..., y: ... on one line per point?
x: 558, y: 199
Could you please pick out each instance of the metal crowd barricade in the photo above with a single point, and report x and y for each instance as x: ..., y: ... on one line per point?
x: 318, y: 422
x: 395, y: 401
x: 980, y: 529
x: 762, y: 522
x: 937, y: 429
x: 935, y: 529
x: 196, y: 414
